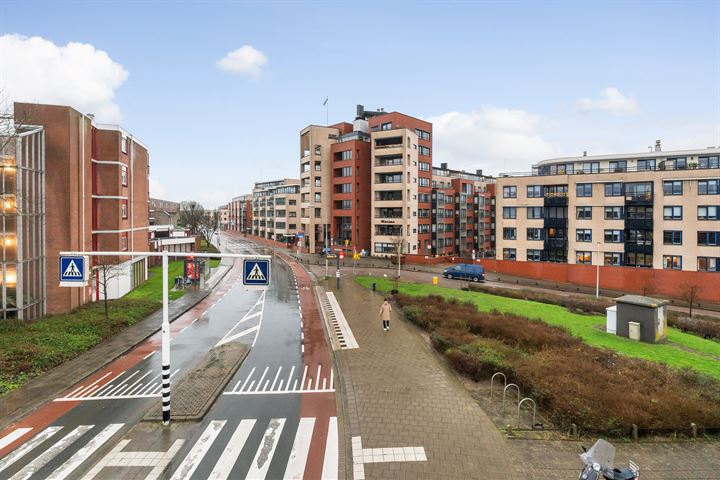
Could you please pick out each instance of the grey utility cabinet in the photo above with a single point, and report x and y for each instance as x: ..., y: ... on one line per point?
x: 646, y: 314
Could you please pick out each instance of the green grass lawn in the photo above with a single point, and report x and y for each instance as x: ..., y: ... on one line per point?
x: 583, y: 326
x: 28, y: 348
x: 214, y: 262
x: 152, y: 288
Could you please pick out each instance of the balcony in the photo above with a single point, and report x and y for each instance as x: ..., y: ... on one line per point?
x: 552, y: 222
x: 639, y: 223
x: 639, y: 199
x: 639, y: 248
x: 555, y: 243
x: 555, y: 199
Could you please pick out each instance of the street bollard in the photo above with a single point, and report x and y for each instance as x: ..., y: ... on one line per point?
x: 635, y: 432
x: 374, y: 286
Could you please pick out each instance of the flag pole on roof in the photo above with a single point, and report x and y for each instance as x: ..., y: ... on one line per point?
x: 327, y: 107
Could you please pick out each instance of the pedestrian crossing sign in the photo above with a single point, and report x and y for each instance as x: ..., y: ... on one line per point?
x: 73, y: 271
x: 256, y: 272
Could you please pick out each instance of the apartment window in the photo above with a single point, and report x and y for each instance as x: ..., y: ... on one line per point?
x: 583, y: 190
x: 674, y: 213
x: 318, y: 166
x: 534, y: 255
x: 510, y: 191
x: 292, y: 202
x: 618, y: 166
x: 708, y: 264
x: 673, y: 187
x: 318, y: 213
x: 679, y: 163
x: 613, y: 236
x: 123, y: 176
x: 709, y: 162
x: 386, y: 126
x: 556, y: 212
x: 534, y: 191
x: 305, y: 167
x: 643, y: 165
x: 638, y: 260
x: 123, y: 241
x: 424, y: 150
x: 422, y: 134
x: 583, y: 257
x: 583, y: 213
x: 706, y: 212
x: 318, y: 149
x: 280, y: 225
x: 344, y: 204
x: 534, y: 212
x: 424, y: 167
x: 672, y: 262
x: 509, y: 254
x: 509, y: 233
x: 424, y: 197
x: 709, y: 187
x: 292, y: 215
x: 708, y: 238
x: 318, y: 181
x: 423, y: 228
x: 318, y: 197
x: 613, y: 258
x: 591, y: 167
x: 423, y: 213
x: 583, y: 235
x: 124, y: 144
x: 613, y: 213
x: 345, y: 188
x: 345, y: 172
x: 509, y: 212
x: 424, y: 182
x: 672, y: 237
x: 346, y: 155
x: 639, y: 237
x: 614, y: 189
x: 123, y: 209
x: 639, y: 213
x: 535, y: 234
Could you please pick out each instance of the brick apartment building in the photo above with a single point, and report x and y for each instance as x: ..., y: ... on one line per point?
x: 240, y: 208
x: 463, y: 213
x: 654, y: 209
x: 94, y: 179
x: 164, y: 212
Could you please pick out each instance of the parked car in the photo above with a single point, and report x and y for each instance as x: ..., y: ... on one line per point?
x: 465, y: 271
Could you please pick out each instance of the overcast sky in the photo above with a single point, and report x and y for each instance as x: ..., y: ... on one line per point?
x: 220, y: 90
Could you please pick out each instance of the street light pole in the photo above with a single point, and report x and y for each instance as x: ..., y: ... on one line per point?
x: 165, y: 343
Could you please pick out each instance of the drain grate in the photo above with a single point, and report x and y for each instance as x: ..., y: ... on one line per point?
x: 338, y: 322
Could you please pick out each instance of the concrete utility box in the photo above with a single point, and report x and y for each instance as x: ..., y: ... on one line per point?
x: 650, y: 315
x: 611, y: 323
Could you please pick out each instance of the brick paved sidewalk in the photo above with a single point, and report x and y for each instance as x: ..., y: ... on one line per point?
x: 398, y: 393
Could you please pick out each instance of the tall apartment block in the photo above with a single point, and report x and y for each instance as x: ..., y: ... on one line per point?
x: 241, y: 213
x: 653, y: 210
x: 93, y: 180
x: 276, y: 209
x: 463, y: 213
x: 365, y: 182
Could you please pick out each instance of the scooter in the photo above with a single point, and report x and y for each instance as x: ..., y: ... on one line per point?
x: 599, y: 464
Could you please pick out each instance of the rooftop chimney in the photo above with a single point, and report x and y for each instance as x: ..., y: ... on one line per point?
x: 584, y: 153
x: 443, y: 166
x: 478, y: 172
x: 360, y: 111
x: 658, y: 146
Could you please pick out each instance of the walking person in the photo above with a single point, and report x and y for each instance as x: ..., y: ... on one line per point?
x: 384, y: 313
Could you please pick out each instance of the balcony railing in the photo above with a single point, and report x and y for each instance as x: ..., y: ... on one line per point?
x: 645, y: 198
x: 639, y: 248
x: 552, y: 222
x: 639, y: 223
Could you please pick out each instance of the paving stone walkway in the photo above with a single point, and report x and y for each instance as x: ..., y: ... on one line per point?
x: 399, y: 394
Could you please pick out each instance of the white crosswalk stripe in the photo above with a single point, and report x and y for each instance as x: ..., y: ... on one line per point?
x: 270, y: 437
x: 12, y: 436
x: 320, y: 382
x: 124, y: 385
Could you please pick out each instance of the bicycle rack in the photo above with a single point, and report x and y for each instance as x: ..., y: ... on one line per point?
x: 534, y: 408
x: 492, y: 380
x: 505, y: 391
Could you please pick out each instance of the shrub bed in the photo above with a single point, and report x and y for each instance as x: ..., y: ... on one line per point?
x: 594, y: 388
x: 704, y: 328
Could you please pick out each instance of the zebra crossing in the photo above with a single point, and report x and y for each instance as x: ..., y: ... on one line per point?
x: 310, y: 381
x: 261, y: 440
x: 125, y: 385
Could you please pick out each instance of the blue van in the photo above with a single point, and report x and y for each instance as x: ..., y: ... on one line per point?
x: 465, y: 271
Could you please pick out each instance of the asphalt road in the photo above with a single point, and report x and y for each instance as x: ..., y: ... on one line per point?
x: 274, y: 419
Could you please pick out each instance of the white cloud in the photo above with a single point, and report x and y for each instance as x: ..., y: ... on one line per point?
x: 33, y: 69
x: 612, y: 101
x: 494, y: 139
x: 246, y: 60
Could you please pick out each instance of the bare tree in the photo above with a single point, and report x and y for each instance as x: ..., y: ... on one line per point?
x: 106, y: 272
x: 210, y: 225
x: 192, y: 215
x: 689, y: 293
